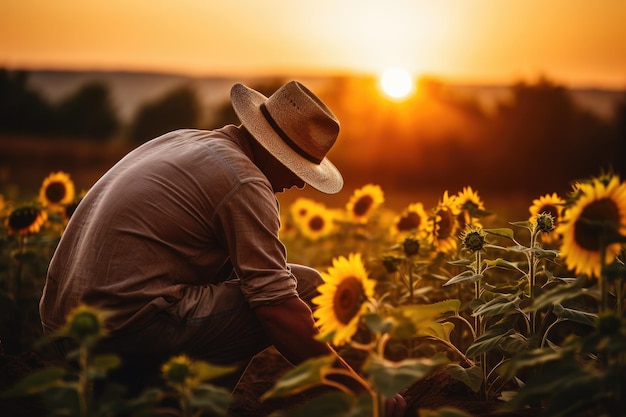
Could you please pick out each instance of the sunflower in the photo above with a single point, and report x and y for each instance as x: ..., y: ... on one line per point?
x: 342, y: 298
x: 445, y: 224
x: 598, y: 212
x: 317, y: 223
x: 84, y: 324
x: 184, y: 373
x: 25, y: 220
x: 300, y: 208
x: 178, y: 371
x: 472, y: 207
x: 56, y: 190
x: 548, y: 203
x: 413, y: 220
x: 364, y: 202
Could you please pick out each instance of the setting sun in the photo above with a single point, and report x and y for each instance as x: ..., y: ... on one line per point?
x: 396, y: 83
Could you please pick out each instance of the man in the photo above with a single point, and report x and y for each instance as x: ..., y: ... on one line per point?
x: 178, y: 242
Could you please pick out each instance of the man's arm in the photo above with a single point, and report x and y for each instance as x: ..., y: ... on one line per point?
x: 290, y: 327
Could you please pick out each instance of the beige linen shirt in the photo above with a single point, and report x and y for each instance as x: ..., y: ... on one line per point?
x: 171, y: 214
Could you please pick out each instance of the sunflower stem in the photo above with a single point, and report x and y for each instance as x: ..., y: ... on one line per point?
x: 20, y: 262
x: 532, y: 271
x: 84, y: 393
x: 348, y: 370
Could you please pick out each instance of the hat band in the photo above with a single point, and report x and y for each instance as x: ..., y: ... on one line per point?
x: 286, y: 138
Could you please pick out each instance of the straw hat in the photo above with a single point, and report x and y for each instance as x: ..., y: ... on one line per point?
x: 296, y: 127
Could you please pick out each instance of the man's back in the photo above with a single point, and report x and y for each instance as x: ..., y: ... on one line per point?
x: 148, y: 227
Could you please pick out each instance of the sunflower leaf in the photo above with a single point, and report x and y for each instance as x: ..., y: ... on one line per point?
x: 215, y: 400
x: 499, y: 305
x: 492, y: 337
x: 37, y: 382
x: 558, y: 294
x: 503, y: 263
x: 437, y: 330
x: 443, y: 412
x: 461, y: 262
x: 389, y: 378
x: 308, y: 374
x: 464, y: 276
x: 376, y: 324
x: 331, y: 404
x: 524, y: 223
x: 503, y: 231
x: 429, y: 312
x: 472, y: 376
x: 545, y: 253
x: 576, y: 316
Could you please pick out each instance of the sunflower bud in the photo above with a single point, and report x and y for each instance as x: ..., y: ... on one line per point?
x: 474, y: 240
x: 178, y: 370
x: 411, y: 246
x: 545, y: 222
x: 25, y: 220
x: 85, y: 324
x: 391, y: 263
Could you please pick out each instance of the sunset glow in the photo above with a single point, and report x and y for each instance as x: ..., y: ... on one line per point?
x: 470, y: 41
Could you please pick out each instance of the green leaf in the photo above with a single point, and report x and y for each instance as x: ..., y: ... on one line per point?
x: 213, y: 399
x: 465, y: 276
x: 531, y: 358
x: 461, y: 262
x: 306, y: 375
x: 437, y: 330
x: 472, y: 376
x: 492, y: 337
x: 504, y: 232
x: 423, y: 312
x: 523, y: 223
x: 332, y: 404
x: 503, y: 263
x: 443, y: 412
x: 376, y: 324
x: 541, y: 253
x: 389, y: 378
x: 575, y: 315
x: 558, y: 294
x: 500, y: 305
x: 206, y: 371
x: 37, y: 382
x: 106, y: 362
x: 414, y: 319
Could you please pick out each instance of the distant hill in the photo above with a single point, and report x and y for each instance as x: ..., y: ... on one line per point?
x: 131, y: 89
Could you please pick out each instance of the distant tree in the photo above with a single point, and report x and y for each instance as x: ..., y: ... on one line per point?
x: 542, y: 135
x: 22, y: 110
x: 88, y: 113
x: 619, y: 159
x: 224, y: 113
x: 178, y: 108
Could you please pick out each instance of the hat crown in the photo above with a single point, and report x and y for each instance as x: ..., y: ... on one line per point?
x: 302, y: 120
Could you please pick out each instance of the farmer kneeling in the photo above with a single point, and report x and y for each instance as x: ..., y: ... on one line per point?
x: 178, y: 242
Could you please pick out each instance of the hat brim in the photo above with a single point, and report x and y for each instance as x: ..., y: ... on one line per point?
x: 246, y: 102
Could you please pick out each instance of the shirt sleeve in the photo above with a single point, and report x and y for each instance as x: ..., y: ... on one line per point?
x: 247, y: 222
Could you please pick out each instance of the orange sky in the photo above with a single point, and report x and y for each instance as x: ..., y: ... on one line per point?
x: 576, y: 42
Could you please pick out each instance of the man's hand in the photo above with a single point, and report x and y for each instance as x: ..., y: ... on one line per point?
x: 395, y: 406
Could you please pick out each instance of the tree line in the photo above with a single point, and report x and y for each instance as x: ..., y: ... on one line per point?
x: 539, y: 131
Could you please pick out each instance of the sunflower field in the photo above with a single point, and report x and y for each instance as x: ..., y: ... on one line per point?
x: 527, y: 314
